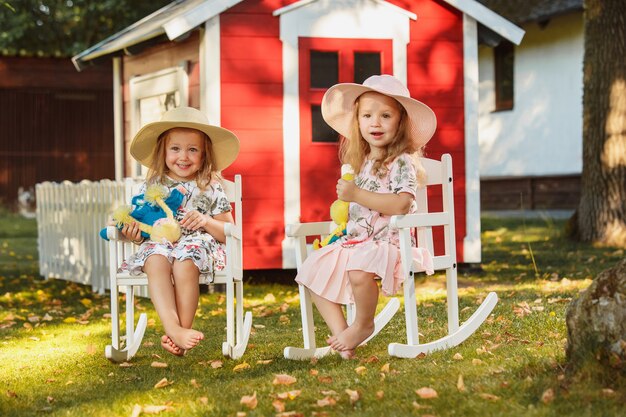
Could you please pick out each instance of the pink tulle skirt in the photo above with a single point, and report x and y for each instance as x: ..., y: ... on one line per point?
x: 325, y: 271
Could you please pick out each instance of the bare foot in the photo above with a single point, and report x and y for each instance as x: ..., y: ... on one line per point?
x: 186, y: 338
x: 169, y: 345
x: 352, y: 337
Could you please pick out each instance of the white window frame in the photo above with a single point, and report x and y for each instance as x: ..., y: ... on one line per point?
x: 154, y: 84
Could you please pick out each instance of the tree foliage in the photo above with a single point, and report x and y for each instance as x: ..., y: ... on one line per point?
x: 64, y: 28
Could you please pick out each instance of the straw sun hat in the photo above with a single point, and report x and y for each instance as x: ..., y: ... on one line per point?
x: 339, y: 100
x: 225, y: 143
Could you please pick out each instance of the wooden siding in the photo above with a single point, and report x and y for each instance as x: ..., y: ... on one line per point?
x: 435, y: 76
x: 530, y: 193
x: 57, y: 124
x: 156, y: 58
x: 252, y: 100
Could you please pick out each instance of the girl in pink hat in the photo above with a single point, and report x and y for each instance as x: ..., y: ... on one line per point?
x: 383, y: 132
x: 183, y: 151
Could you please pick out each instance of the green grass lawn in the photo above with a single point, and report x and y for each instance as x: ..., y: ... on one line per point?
x: 53, y: 333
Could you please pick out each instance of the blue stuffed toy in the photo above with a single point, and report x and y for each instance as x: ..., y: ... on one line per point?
x: 147, y: 211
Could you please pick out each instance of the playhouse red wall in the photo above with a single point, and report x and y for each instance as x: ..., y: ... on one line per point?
x: 252, y: 100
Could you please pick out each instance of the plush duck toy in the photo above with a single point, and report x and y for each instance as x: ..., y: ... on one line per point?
x: 154, y: 213
x: 338, y: 213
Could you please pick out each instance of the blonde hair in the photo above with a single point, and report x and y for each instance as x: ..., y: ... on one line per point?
x: 354, y: 149
x: 158, y: 169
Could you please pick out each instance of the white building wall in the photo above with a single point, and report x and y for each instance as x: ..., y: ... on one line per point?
x: 542, y: 135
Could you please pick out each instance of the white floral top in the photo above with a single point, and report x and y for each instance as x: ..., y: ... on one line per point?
x: 365, y: 224
x: 206, y: 253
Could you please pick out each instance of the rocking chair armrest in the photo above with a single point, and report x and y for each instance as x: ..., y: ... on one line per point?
x: 114, y: 234
x: 232, y: 230
x: 419, y: 220
x: 308, y: 229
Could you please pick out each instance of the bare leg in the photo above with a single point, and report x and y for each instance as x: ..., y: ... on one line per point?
x: 162, y: 294
x: 332, y: 313
x: 365, y: 292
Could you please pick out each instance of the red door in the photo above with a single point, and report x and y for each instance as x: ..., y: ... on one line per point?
x: 323, y: 63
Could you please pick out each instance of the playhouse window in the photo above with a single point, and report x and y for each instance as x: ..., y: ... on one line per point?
x: 324, y: 69
x: 366, y: 64
x: 504, y: 63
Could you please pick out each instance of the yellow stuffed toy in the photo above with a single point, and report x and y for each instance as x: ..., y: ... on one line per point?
x: 163, y: 229
x: 338, y: 213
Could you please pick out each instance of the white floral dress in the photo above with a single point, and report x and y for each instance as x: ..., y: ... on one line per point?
x: 369, y: 245
x: 207, y: 254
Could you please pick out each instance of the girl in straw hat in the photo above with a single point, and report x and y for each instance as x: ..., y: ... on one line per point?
x: 183, y: 151
x: 383, y: 132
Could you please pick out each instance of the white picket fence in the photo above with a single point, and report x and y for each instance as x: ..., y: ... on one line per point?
x: 69, y: 219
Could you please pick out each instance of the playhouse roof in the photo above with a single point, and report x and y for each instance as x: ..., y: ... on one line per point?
x: 181, y: 16
x: 526, y: 11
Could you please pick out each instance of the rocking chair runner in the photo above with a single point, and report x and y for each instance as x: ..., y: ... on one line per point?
x: 238, y: 325
x: 439, y: 173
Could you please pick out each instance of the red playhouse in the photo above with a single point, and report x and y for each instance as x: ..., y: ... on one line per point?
x: 260, y: 69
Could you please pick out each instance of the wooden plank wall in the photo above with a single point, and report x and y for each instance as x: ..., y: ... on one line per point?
x: 56, y: 123
x: 530, y: 193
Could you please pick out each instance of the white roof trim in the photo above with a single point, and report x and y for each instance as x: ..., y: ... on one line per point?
x: 490, y: 19
x: 302, y: 3
x: 192, y: 18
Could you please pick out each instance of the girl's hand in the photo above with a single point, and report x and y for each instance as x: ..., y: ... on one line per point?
x: 195, y: 220
x: 132, y: 232
x: 347, y: 190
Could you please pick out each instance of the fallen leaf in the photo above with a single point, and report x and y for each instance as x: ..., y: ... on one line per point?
x: 371, y: 359
x: 157, y: 364
x: 289, y: 394
x: 278, y: 405
x: 460, y: 385
x: 548, y: 396
x: 241, y: 367
x: 457, y: 357
x: 162, y: 383
x: 249, y: 401
x: 385, y: 368
x: 426, y: 393
x: 11, y: 394
x: 194, y: 383
x: 490, y: 397
x: 360, y: 370
x: 283, y: 379
x: 476, y: 361
x: 125, y: 365
x: 325, y: 379
x: 326, y: 401
x: 313, y: 372
x: 269, y: 298
x: 204, y: 400
x: 264, y: 362
x: 380, y: 395
x: 155, y: 409
x: 216, y: 364
x: 354, y: 395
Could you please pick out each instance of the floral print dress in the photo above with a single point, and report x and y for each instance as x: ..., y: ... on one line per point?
x: 207, y: 254
x: 369, y: 245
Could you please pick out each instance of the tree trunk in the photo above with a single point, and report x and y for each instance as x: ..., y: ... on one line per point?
x: 601, y: 213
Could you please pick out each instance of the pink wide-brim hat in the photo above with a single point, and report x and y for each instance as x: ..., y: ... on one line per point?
x: 339, y: 101
x: 224, y: 142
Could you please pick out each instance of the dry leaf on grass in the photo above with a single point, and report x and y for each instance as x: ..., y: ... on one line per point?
x: 460, y: 385
x: 91, y: 349
x: 354, y: 395
x: 548, y: 396
x: 216, y: 364
x: 241, y: 367
x: 380, y: 395
x: 149, y: 409
x: 426, y: 393
x: 194, y: 383
x: 289, y: 394
x: 249, y: 401
x: 487, y: 396
x: 326, y: 401
x: 385, y: 368
x: 283, y: 379
x: 163, y: 383
x: 157, y: 364
x: 278, y: 405
x: 457, y: 357
x: 264, y: 362
x: 360, y: 370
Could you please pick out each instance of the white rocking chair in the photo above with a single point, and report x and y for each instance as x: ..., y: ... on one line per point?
x: 439, y: 173
x: 238, y: 325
